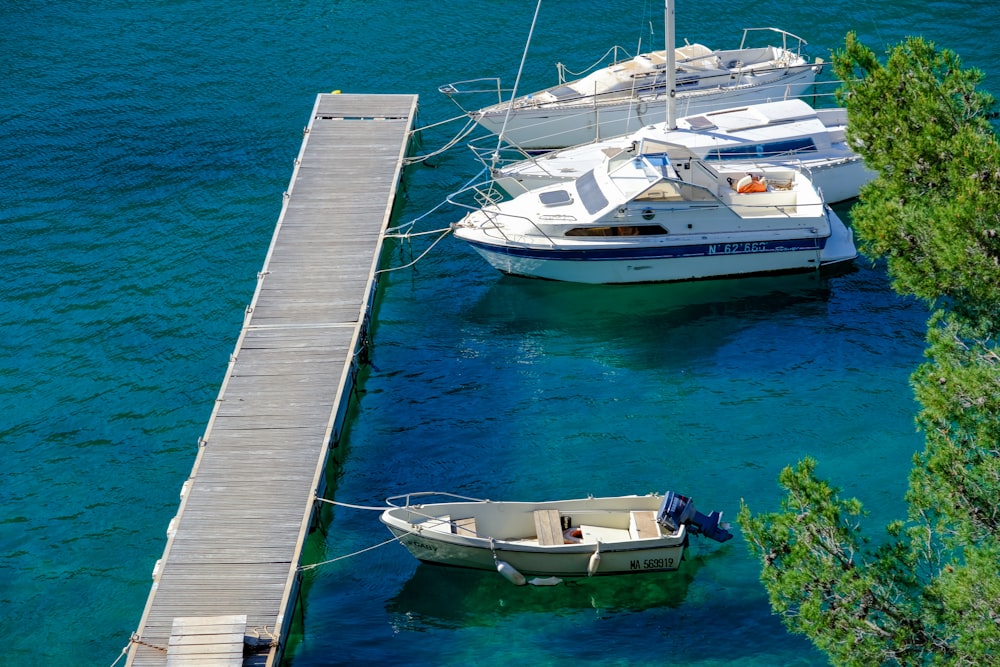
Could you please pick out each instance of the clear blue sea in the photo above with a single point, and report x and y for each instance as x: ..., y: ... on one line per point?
x: 144, y: 149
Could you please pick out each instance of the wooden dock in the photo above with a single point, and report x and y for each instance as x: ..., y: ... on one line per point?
x: 224, y: 590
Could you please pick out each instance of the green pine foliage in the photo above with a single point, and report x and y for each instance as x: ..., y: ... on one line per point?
x: 929, y: 594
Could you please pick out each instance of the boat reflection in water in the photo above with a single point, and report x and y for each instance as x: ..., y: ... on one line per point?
x: 440, y: 597
x: 638, y: 311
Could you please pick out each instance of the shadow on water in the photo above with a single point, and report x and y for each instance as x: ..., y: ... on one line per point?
x: 442, y: 597
x: 535, y: 304
x: 651, y: 326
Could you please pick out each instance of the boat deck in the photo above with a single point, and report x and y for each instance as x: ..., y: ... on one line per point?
x: 223, y: 592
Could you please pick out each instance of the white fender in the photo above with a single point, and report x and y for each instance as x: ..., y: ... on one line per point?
x: 595, y: 562
x: 743, y: 182
x: 547, y: 581
x: 510, y: 573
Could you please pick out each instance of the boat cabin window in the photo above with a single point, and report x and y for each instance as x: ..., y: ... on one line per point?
x: 555, y: 198
x: 618, y: 230
x: 590, y: 193
x: 770, y: 149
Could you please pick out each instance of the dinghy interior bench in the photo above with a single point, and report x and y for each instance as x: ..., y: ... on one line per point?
x: 642, y: 525
x: 550, y: 531
x: 547, y: 527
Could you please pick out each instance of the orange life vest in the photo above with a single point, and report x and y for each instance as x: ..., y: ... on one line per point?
x: 753, y: 186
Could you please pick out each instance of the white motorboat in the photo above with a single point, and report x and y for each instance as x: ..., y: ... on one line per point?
x: 789, y: 132
x: 559, y: 538
x: 633, y: 93
x: 657, y: 214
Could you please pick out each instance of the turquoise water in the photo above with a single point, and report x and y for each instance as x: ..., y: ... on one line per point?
x: 145, y: 148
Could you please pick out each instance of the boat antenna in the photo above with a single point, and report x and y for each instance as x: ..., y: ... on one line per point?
x: 668, y: 20
x: 517, y: 82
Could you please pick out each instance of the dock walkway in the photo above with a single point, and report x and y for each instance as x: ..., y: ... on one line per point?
x: 229, y: 572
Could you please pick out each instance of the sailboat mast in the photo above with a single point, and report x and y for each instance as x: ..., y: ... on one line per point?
x: 668, y: 20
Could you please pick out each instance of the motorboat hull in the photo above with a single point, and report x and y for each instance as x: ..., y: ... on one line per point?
x: 572, y: 561
x: 655, y: 265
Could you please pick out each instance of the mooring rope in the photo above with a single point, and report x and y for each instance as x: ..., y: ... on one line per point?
x: 409, y: 225
x: 123, y: 653
x: 422, y: 255
x: 134, y: 639
x: 470, y: 125
x: 356, y: 507
x: 303, y: 568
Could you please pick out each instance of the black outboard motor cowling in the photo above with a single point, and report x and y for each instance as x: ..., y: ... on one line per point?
x: 677, y: 510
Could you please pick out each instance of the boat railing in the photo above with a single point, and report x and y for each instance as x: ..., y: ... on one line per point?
x: 600, y: 62
x: 474, y: 87
x: 496, y: 157
x: 786, y: 37
x: 487, y: 192
x: 429, y: 494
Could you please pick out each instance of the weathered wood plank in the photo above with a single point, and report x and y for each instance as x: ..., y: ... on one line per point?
x: 234, y: 545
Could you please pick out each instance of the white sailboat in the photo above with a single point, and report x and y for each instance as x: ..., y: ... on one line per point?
x: 632, y: 93
x: 786, y: 133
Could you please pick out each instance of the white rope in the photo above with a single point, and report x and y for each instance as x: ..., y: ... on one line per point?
x: 412, y: 223
x: 357, y: 507
x: 422, y: 255
x: 123, y: 653
x: 463, y: 133
x: 440, y: 122
x: 412, y: 234
x: 303, y: 568
x: 134, y: 639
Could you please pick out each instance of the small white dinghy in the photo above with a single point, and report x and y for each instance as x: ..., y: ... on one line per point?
x: 559, y: 538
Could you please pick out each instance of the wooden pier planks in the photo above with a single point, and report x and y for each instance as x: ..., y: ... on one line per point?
x: 234, y: 547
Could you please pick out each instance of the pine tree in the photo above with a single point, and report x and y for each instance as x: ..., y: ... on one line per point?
x: 929, y: 594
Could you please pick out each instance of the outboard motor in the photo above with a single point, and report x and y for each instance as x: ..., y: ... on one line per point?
x: 677, y: 510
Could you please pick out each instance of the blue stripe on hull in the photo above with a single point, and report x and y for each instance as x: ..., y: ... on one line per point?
x: 655, y: 252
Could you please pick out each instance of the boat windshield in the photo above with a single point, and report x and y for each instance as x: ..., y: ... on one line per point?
x: 770, y: 149
x: 590, y: 193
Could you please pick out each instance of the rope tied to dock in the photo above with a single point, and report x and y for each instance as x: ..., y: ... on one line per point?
x: 470, y: 125
x: 134, y: 639
x: 393, y: 231
x: 445, y: 233
x: 312, y: 566
x: 404, y: 231
x: 356, y: 507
